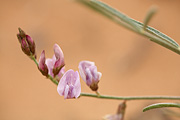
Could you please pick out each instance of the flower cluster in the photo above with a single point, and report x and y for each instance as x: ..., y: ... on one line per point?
x: 68, y: 81
x: 27, y: 44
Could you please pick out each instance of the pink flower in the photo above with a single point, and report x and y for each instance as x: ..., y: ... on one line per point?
x: 50, y: 64
x: 89, y: 74
x: 69, y: 85
x: 55, y: 65
x: 59, y: 63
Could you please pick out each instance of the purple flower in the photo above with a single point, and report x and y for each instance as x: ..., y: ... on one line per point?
x: 69, y: 85
x: 56, y: 63
x: 42, y: 66
x: 59, y: 63
x: 89, y: 74
x: 51, y: 63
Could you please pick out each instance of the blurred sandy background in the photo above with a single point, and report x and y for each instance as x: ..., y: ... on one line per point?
x: 131, y: 64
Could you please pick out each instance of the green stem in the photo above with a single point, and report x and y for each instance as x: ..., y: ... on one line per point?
x: 97, y: 95
x: 131, y: 98
x: 49, y: 76
x: 34, y: 59
x: 52, y: 79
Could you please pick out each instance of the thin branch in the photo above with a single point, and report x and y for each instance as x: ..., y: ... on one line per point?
x: 116, y: 97
x: 131, y: 97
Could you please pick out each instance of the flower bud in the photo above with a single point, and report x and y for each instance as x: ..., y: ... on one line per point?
x: 88, y: 72
x: 25, y: 47
x: 19, y: 38
x: 31, y: 44
x: 26, y: 40
x: 69, y: 85
x: 21, y: 34
x: 120, y: 113
x: 59, y: 63
x: 42, y: 66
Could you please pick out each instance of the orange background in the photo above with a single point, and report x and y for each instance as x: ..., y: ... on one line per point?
x: 131, y: 65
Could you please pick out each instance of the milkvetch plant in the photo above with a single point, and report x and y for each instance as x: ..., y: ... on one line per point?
x: 68, y: 81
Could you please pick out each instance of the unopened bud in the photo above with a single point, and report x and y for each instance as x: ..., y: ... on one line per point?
x: 19, y: 38
x: 31, y: 44
x: 122, y: 108
x: 26, y: 40
x: 21, y: 33
x: 25, y: 47
x: 120, y: 113
x: 42, y: 66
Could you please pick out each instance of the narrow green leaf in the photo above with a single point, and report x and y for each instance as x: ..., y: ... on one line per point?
x: 161, y: 105
x: 133, y: 25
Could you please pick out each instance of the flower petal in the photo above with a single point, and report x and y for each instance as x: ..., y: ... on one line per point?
x: 69, y: 85
x: 59, y: 63
x: 50, y: 65
x: 42, y: 66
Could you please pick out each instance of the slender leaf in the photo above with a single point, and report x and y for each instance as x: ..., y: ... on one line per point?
x: 133, y: 25
x: 161, y: 105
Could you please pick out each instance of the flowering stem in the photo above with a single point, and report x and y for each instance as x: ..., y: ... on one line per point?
x: 131, y: 98
x: 97, y: 95
x: 49, y: 76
